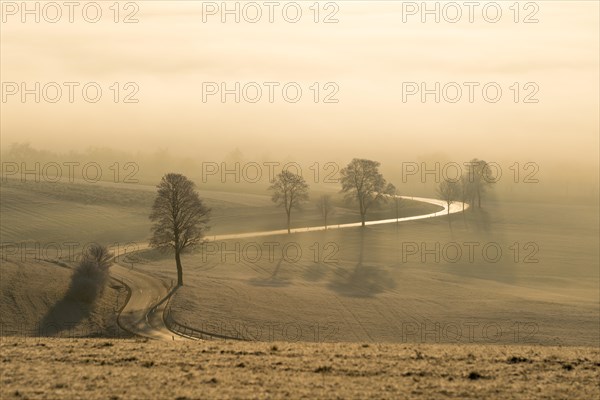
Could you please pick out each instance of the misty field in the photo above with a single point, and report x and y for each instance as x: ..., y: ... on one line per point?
x: 379, y: 284
x: 299, y: 200
x: 391, y: 310
x: 107, y: 213
x: 384, y: 283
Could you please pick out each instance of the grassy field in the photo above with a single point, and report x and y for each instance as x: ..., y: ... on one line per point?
x: 379, y: 284
x: 388, y: 319
x: 107, y: 213
x: 47, y: 221
x: 136, y: 369
x: 384, y: 283
x: 60, y: 213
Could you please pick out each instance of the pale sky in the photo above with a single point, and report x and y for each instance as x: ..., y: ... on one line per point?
x: 368, y: 55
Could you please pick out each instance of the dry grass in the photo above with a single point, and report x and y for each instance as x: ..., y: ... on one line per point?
x: 139, y: 369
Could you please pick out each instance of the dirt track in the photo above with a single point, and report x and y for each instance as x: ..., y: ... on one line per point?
x: 140, y: 316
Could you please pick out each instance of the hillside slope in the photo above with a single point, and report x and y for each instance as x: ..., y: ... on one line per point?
x: 34, y: 302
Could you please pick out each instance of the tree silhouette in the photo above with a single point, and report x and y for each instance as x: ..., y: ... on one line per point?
x: 362, y: 182
x: 325, y: 207
x: 465, y: 190
x: 448, y: 191
x: 289, y: 191
x: 394, y: 194
x: 479, y: 178
x: 179, y: 217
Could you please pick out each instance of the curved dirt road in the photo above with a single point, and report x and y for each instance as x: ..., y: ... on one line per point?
x: 143, y: 313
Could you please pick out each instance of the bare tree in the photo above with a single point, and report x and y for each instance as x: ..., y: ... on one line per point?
x: 479, y: 179
x: 397, y: 201
x: 362, y: 181
x: 448, y: 191
x: 465, y: 193
x: 179, y: 217
x: 290, y: 191
x: 325, y: 207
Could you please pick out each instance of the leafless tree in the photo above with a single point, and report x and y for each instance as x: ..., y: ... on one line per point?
x: 392, y: 191
x: 179, y: 217
x: 448, y: 191
x: 479, y: 177
x: 325, y: 207
x: 362, y: 182
x: 465, y: 190
x: 289, y: 191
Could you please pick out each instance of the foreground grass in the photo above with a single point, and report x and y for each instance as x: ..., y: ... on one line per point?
x: 140, y: 369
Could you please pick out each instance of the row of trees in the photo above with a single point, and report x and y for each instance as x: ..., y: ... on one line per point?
x: 361, y: 181
x: 363, y: 184
x: 180, y: 217
x: 469, y: 188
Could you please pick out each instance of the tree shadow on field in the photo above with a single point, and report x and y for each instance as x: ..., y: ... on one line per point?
x: 363, y: 280
x: 76, y: 305
x: 65, y: 315
x: 479, y: 219
x: 315, y: 272
x: 274, y: 280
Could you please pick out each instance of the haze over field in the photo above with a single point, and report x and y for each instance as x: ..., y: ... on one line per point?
x: 364, y: 184
x: 368, y: 53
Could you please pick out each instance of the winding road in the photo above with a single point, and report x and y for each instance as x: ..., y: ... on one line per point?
x: 142, y: 315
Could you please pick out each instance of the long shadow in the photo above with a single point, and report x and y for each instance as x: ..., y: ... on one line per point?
x: 76, y: 306
x: 65, y: 315
x: 363, y: 280
x: 480, y: 219
x: 274, y: 280
x: 315, y: 272
x: 167, y: 297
